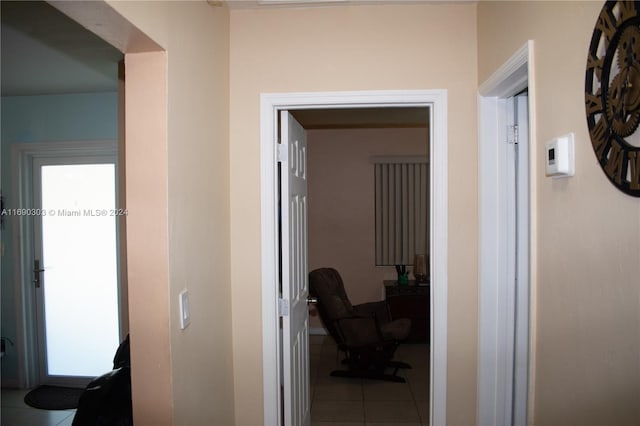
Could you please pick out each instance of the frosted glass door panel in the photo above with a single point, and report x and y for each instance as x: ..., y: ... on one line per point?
x: 79, y: 256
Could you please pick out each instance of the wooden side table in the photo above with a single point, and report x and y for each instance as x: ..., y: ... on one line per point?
x: 410, y: 301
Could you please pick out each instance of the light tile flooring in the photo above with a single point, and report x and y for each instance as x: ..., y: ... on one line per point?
x: 16, y: 413
x: 337, y: 401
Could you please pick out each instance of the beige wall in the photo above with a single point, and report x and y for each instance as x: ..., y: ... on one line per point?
x: 354, y: 48
x: 587, y: 340
x: 587, y: 329
x: 147, y: 255
x: 342, y: 203
x: 196, y: 364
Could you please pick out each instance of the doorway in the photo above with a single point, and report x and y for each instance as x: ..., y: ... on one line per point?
x: 506, y: 256
x: 69, y: 260
x: 55, y: 95
x: 271, y: 106
x: 346, y: 149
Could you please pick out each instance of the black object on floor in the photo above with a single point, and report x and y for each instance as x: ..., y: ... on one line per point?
x: 53, y: 397
x: 107, y: 399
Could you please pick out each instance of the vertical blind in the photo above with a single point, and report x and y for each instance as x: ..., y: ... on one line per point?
x: 402, y: 209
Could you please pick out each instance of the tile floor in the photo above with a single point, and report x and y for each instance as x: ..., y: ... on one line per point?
x: 337, y: 401
x: 16, y: 413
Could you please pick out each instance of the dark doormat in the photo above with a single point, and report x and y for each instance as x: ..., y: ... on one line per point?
x: 53, y: 397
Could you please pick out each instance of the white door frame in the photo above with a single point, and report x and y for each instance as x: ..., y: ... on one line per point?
x: 23, y: 155
x: 270, y: 105
x: 504, y: 353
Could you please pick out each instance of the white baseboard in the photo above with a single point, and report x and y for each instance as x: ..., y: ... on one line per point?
x: 317, y: 331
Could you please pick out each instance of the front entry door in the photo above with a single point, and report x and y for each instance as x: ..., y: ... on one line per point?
x: 294, y: 272
x: 75, y: 267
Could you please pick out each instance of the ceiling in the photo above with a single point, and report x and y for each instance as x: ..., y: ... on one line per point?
x: 255, y: 4
x: 44, y: 52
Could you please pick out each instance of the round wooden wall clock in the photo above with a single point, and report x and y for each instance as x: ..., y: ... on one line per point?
x: 612, y: 93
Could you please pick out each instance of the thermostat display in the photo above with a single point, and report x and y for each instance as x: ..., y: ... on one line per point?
x: 560, y: 161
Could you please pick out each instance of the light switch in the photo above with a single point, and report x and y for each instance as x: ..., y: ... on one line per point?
x: 185, y: 310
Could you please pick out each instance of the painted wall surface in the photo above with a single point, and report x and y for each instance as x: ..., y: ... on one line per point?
x: 345, y: 49
x: 587, y: 291
x: 196, y: 38
x: 84, y: 116
x: 586, y: 316
x: 73, y: 117
x: 342, y: 203
x: 146, y: 153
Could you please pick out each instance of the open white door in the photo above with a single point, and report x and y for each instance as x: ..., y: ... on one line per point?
x: 295, y: 278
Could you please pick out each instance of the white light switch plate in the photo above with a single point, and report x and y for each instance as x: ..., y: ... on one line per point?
x: 185, y: 310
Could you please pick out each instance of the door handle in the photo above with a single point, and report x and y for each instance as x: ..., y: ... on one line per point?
x: 311, y: 299
x: 36, y: 272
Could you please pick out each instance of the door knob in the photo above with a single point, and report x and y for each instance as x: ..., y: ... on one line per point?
x: 311, y: 299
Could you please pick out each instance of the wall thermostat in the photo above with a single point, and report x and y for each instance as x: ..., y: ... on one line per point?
x: 559, y: 159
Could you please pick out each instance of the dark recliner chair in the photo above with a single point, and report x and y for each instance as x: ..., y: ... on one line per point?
x: 365, y: 333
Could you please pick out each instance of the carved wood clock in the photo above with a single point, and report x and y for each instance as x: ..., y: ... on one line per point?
x: 612, y: 93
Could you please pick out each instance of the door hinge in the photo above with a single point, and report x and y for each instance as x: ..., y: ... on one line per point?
x: 283, y: 153
x: 283, y: 307
x: 512, y: 134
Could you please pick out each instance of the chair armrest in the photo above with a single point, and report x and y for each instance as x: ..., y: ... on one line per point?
x: 360, y: 330
x: 379, y: 309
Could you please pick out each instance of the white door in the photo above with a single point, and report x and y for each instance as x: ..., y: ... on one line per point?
x: 521, y: 261
x: 517, y: 278
x: 295, y: 288
x: 75, y: 267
